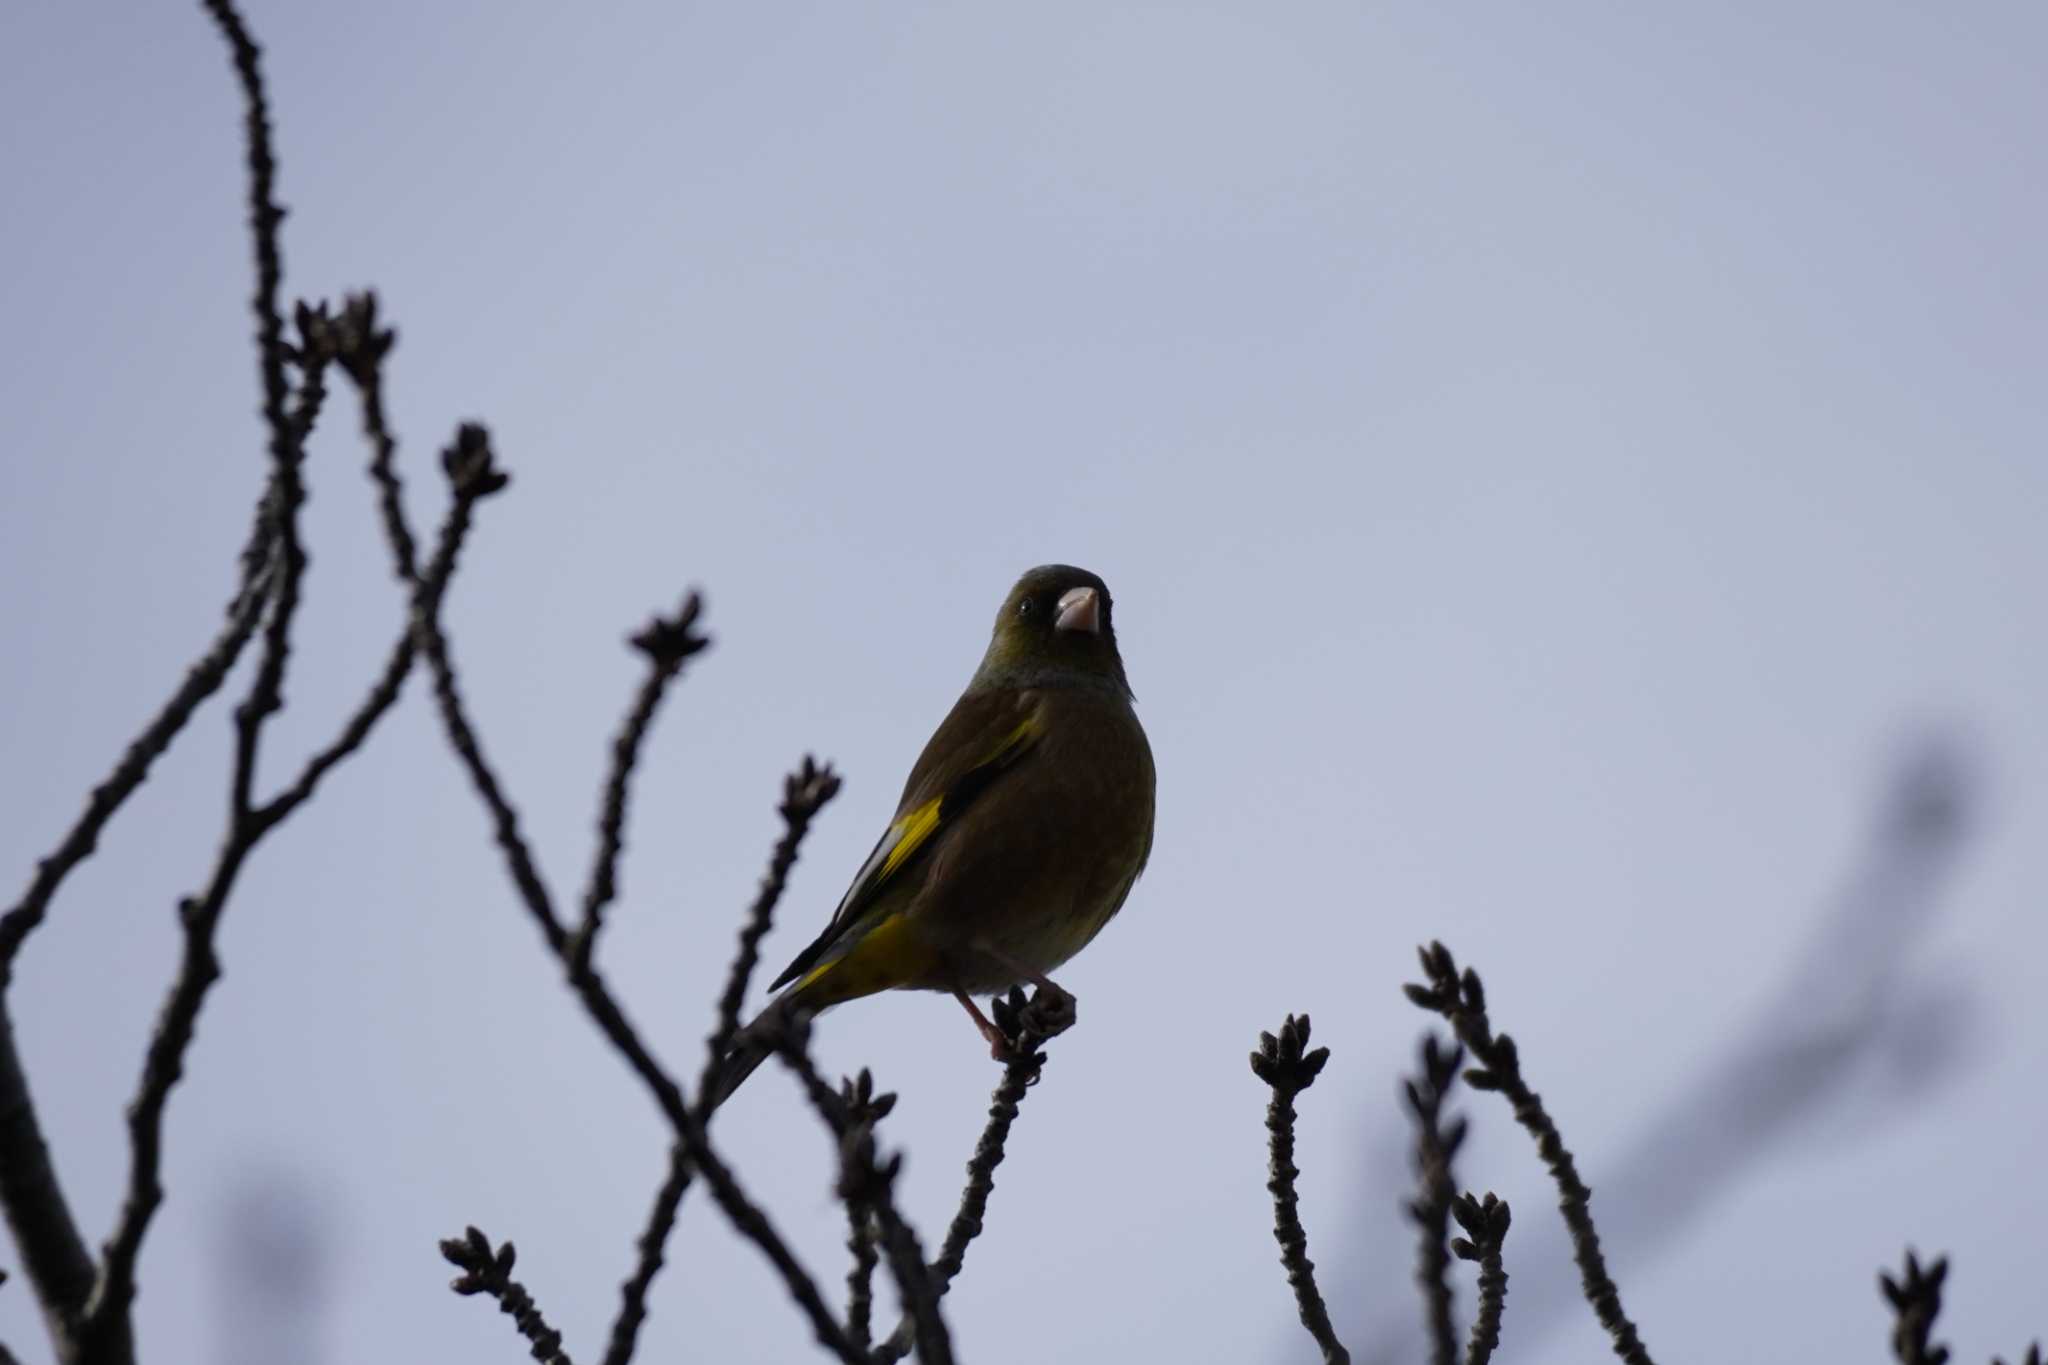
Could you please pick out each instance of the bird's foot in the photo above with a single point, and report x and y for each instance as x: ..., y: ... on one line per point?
x: 1025, y: 1024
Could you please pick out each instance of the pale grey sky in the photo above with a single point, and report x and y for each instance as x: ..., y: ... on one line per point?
x: 1548, y: 460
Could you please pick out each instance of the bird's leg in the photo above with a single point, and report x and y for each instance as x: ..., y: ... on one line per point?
x: 998, y: 1045
x: 1036, y: 978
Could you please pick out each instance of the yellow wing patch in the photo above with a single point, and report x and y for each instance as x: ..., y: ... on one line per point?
x: 911, y: 832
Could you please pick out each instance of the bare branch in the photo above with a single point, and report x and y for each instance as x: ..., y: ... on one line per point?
x: 1486, y: 1227
x: 805, y: 792
x: 490, y: 1272
x: 667, y: 643
x: 1285, y: 1065
x: 1436, y: 1145
x: 1462, y: 1003
x: 664, y: 638
x: 359, y: 345
x: 1026, y: 1025
x: 864, y: 1108
x: 867, y: 1182
x: 1915, y: 1298
x: 200, y: 917
x: 653, y: 1245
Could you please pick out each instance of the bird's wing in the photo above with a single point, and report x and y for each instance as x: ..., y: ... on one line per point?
x: 985, y: 736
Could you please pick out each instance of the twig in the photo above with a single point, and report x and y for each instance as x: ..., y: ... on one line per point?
x: 667, y: 643
x: 106, y: 1310
x: 864, y: 1108
x: 653, y: 1245
x: 355, y: 342
x: 2033, y: 1356
x: 1436, y: 1145
x: 361, y: 345
x: 1916, y: 1301
x: 805, y: 792
x: 867, y: 1182
x: 587, y: 982
x: 472, y: 450
x: 1462, y: 1002
x: 490, y: 1272
x: 1486, y: 1228
x: 1026, y: 1025
x: 1285, y: 1066
x: 200, y: 968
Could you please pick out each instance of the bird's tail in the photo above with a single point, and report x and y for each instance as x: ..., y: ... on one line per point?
x: 751, y: 1046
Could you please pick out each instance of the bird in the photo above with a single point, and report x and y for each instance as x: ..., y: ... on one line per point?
x: 1021, y: 830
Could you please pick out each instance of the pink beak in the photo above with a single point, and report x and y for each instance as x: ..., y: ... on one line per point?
x: 1079, y: 609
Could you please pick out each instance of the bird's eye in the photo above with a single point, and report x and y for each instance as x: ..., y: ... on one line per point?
x: 1024, y: 608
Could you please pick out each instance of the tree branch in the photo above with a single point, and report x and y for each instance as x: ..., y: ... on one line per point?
x: 867, y: 1182
x: 1486, y: 1228
x: 664, y: 638
x: 1288, y: 1069
x: 1435, y: 1147
x: 1027, y: 1025
x: 804, y: 793
x: 1915, y: 1298
x: 1462, y: 1003
x: 490, y: 1272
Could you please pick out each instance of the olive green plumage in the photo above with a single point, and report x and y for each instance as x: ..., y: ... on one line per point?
x: 1020, y: 831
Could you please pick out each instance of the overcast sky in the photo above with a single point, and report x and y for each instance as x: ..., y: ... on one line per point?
x: 1550, y: 462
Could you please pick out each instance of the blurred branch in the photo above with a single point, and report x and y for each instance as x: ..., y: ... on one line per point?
x: 1462, y: 1003
x: 200, y: 916
x: 1026, y: 1025
x: 1486, y: 1230
x: 665, y: 643
x: 653, y: 1245
x: 1435, y: 1147
x: 1915, y: 1298
x: 866, y: 1182
x: 105, y: 1331
x: 863, y: 1108
x: 1284, y: 1065
x: 804, y: 793
x: 489, y: 1272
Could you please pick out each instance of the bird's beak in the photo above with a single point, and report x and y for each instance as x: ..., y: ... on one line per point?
x: 1079, y: 609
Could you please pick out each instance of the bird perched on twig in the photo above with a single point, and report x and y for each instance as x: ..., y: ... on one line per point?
x: 1021, y: 830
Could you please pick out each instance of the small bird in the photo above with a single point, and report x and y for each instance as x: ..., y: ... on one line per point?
x: 1021, y: 830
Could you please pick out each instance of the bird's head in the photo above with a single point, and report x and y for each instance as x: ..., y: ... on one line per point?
x: 1054, y: 630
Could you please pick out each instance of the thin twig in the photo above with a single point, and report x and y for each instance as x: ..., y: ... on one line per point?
x: 433, y: 643
x: 653, y: 1245
x: 667, y: 642
x: 359, y: 345
x: 868, y: 1182
x: 200, y: 968
x: 587, y: 982
x: 1915, y: 1298
x: 864, y: 1108
x: 1486, y: 1231
x: 485, y: 1271
x: 201, y: 681
x: 1461, y: 1000
x: 1436, y: 1145
x: 804, y: 793
x: 1285, y: 1065
x: 1026, y: 1025
x: 106, y: 1310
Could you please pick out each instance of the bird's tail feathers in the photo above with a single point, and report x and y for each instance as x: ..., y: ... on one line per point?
x: 751, y: 1046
